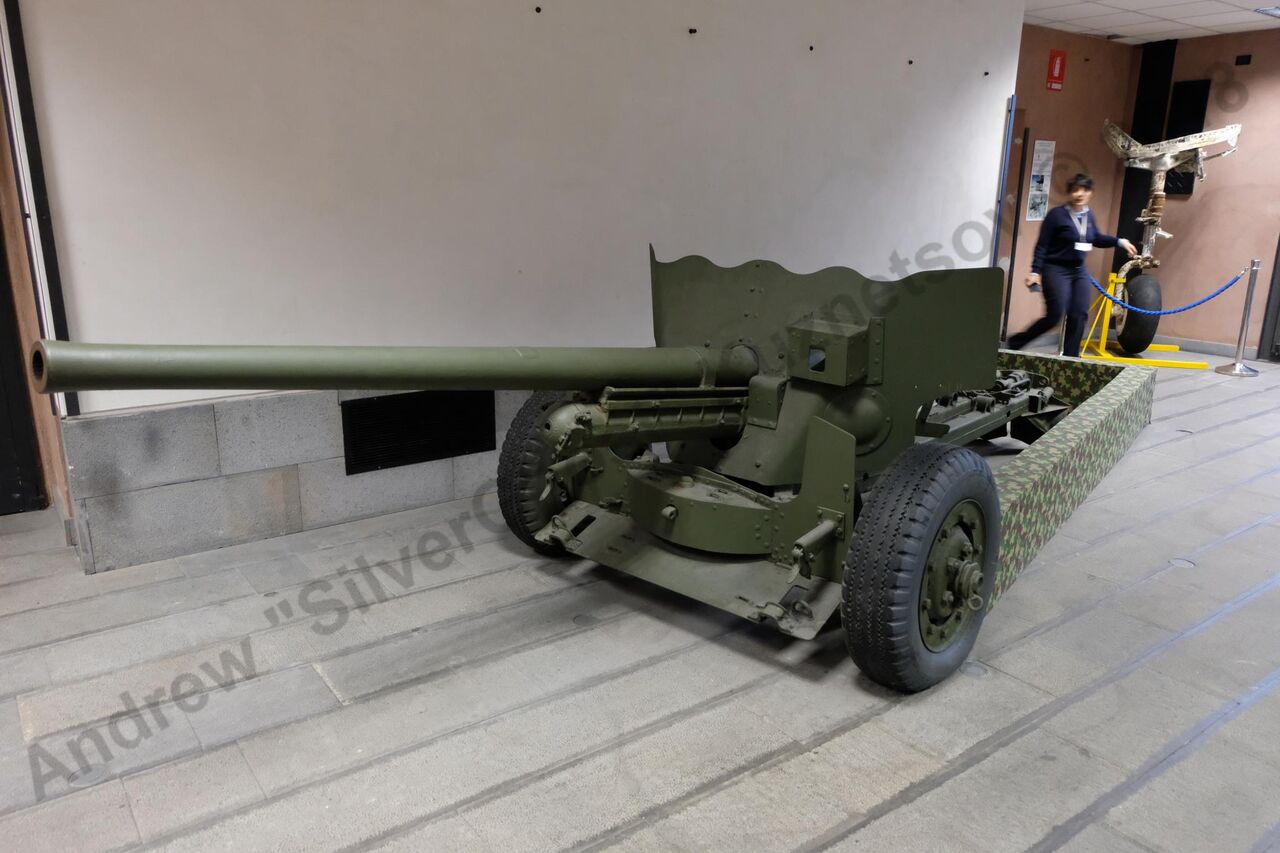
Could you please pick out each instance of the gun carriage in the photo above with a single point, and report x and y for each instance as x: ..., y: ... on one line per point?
x: 793, y: 445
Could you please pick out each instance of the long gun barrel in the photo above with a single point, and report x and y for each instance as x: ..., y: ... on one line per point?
x: 63, y: 366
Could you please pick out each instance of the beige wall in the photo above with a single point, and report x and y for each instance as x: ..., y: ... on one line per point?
x: 1234, y: 214
x: 453, y: 172
x: 1101, y: 79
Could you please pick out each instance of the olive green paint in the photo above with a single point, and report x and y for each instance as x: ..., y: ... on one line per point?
x: 780, y: 398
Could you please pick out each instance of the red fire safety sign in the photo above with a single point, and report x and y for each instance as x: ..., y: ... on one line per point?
x: 1057, y: 69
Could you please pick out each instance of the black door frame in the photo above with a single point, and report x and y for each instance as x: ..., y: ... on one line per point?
x: 21, y: 480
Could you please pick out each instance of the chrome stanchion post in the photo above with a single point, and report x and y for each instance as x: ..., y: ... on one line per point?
x: 1238, y: 367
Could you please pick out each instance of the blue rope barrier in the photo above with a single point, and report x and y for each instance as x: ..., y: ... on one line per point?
x: 1198, y: 302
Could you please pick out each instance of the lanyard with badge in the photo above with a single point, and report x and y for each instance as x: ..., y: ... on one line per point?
x: 1082, y: 225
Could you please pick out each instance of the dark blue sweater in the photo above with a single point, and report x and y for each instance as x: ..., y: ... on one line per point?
x: 1058, y: 238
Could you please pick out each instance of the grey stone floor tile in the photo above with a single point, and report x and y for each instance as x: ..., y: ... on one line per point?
x: 432, y: 651
x: 1225, y: 571
x: 1075, y: 653
x: 133, y: 576
x: 1224, y: 514
x: 970, y: 706
x: 16, y: 788
x: 436, y: 604
x: 1256, y: 730
x: 25, y: 522
x: 782, y: 804
x: 11, y: 739
x: 474, y: 522
x: 1239, y: 409
x: 1133, y: 470
x: 178, y: 795
x: 618, y: 786
x: 1000, y: 627
x: 1124, y: 559
x: 115, y: 648
x: 816, y: 699
x: 1230, y: 654
x: 1097, y: 520
x: 23, y: 671
x: 39, y: 539
x: 1149, y: 500
x: 1194, y: 446
x: 41, y: 564
x: 1155, y: 437
x: 98, y: 819
x: 1000, y: 804
x: 1041, y: 596
x: 1262, y: 540
x: 1164, y: 605
x: 446, y: 771
x: 1219, y: 798
x: 445, y: 835
x: 1266, y: 488
x: 409, y: 524
x: 1178, y: 538
x: 44, y: 592
x: 74, y: 759
x: 261, y: 703
x: 1130, y: 720
x: 233, y: 556
x: 82, y: 703
x: 1214, y: 398
x: 1060, y: 547
x: 362, y: 731
x: 370, y: 550
x: 64, y: 621
x: 1099, y: 838
x: 278, y: 572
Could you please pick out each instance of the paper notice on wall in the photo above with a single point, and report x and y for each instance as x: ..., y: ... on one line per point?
x: 1041, y: 175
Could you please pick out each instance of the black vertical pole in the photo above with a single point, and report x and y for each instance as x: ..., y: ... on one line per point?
x: 1150, y: 106
x: 1269, y: 341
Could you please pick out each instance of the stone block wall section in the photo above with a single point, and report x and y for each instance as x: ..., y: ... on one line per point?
x: 148, y: 484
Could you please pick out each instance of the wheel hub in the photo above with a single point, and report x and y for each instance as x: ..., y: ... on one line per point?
x: 950, y: 592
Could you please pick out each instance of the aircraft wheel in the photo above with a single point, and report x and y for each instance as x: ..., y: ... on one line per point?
x: 1134, y: 331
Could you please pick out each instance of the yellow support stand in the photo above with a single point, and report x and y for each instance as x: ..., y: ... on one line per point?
x: 1097, y: 348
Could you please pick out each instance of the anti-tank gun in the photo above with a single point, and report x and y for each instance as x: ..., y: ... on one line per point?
x: 794, y: 444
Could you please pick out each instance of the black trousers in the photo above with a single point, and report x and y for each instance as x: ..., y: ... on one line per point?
x: 1065, y: 289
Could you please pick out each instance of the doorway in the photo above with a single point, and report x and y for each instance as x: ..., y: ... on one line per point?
x: 21, y: 485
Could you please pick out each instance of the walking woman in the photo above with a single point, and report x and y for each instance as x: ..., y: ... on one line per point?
x: 1066, y: 235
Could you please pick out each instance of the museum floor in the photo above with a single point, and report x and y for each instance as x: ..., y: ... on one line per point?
x: 1123, y: 696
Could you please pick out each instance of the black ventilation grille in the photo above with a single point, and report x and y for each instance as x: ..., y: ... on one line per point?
x: 403, y: 429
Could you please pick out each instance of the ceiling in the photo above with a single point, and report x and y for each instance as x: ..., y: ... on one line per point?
x: 1139, y: 21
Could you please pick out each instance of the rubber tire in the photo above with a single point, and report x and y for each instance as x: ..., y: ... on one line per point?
x: 1140, y: 329
x: 522, y: 467
x: 884, y: 569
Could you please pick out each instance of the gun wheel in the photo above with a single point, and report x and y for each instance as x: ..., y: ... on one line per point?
x: 527, y: 501
x: 922, y: 567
